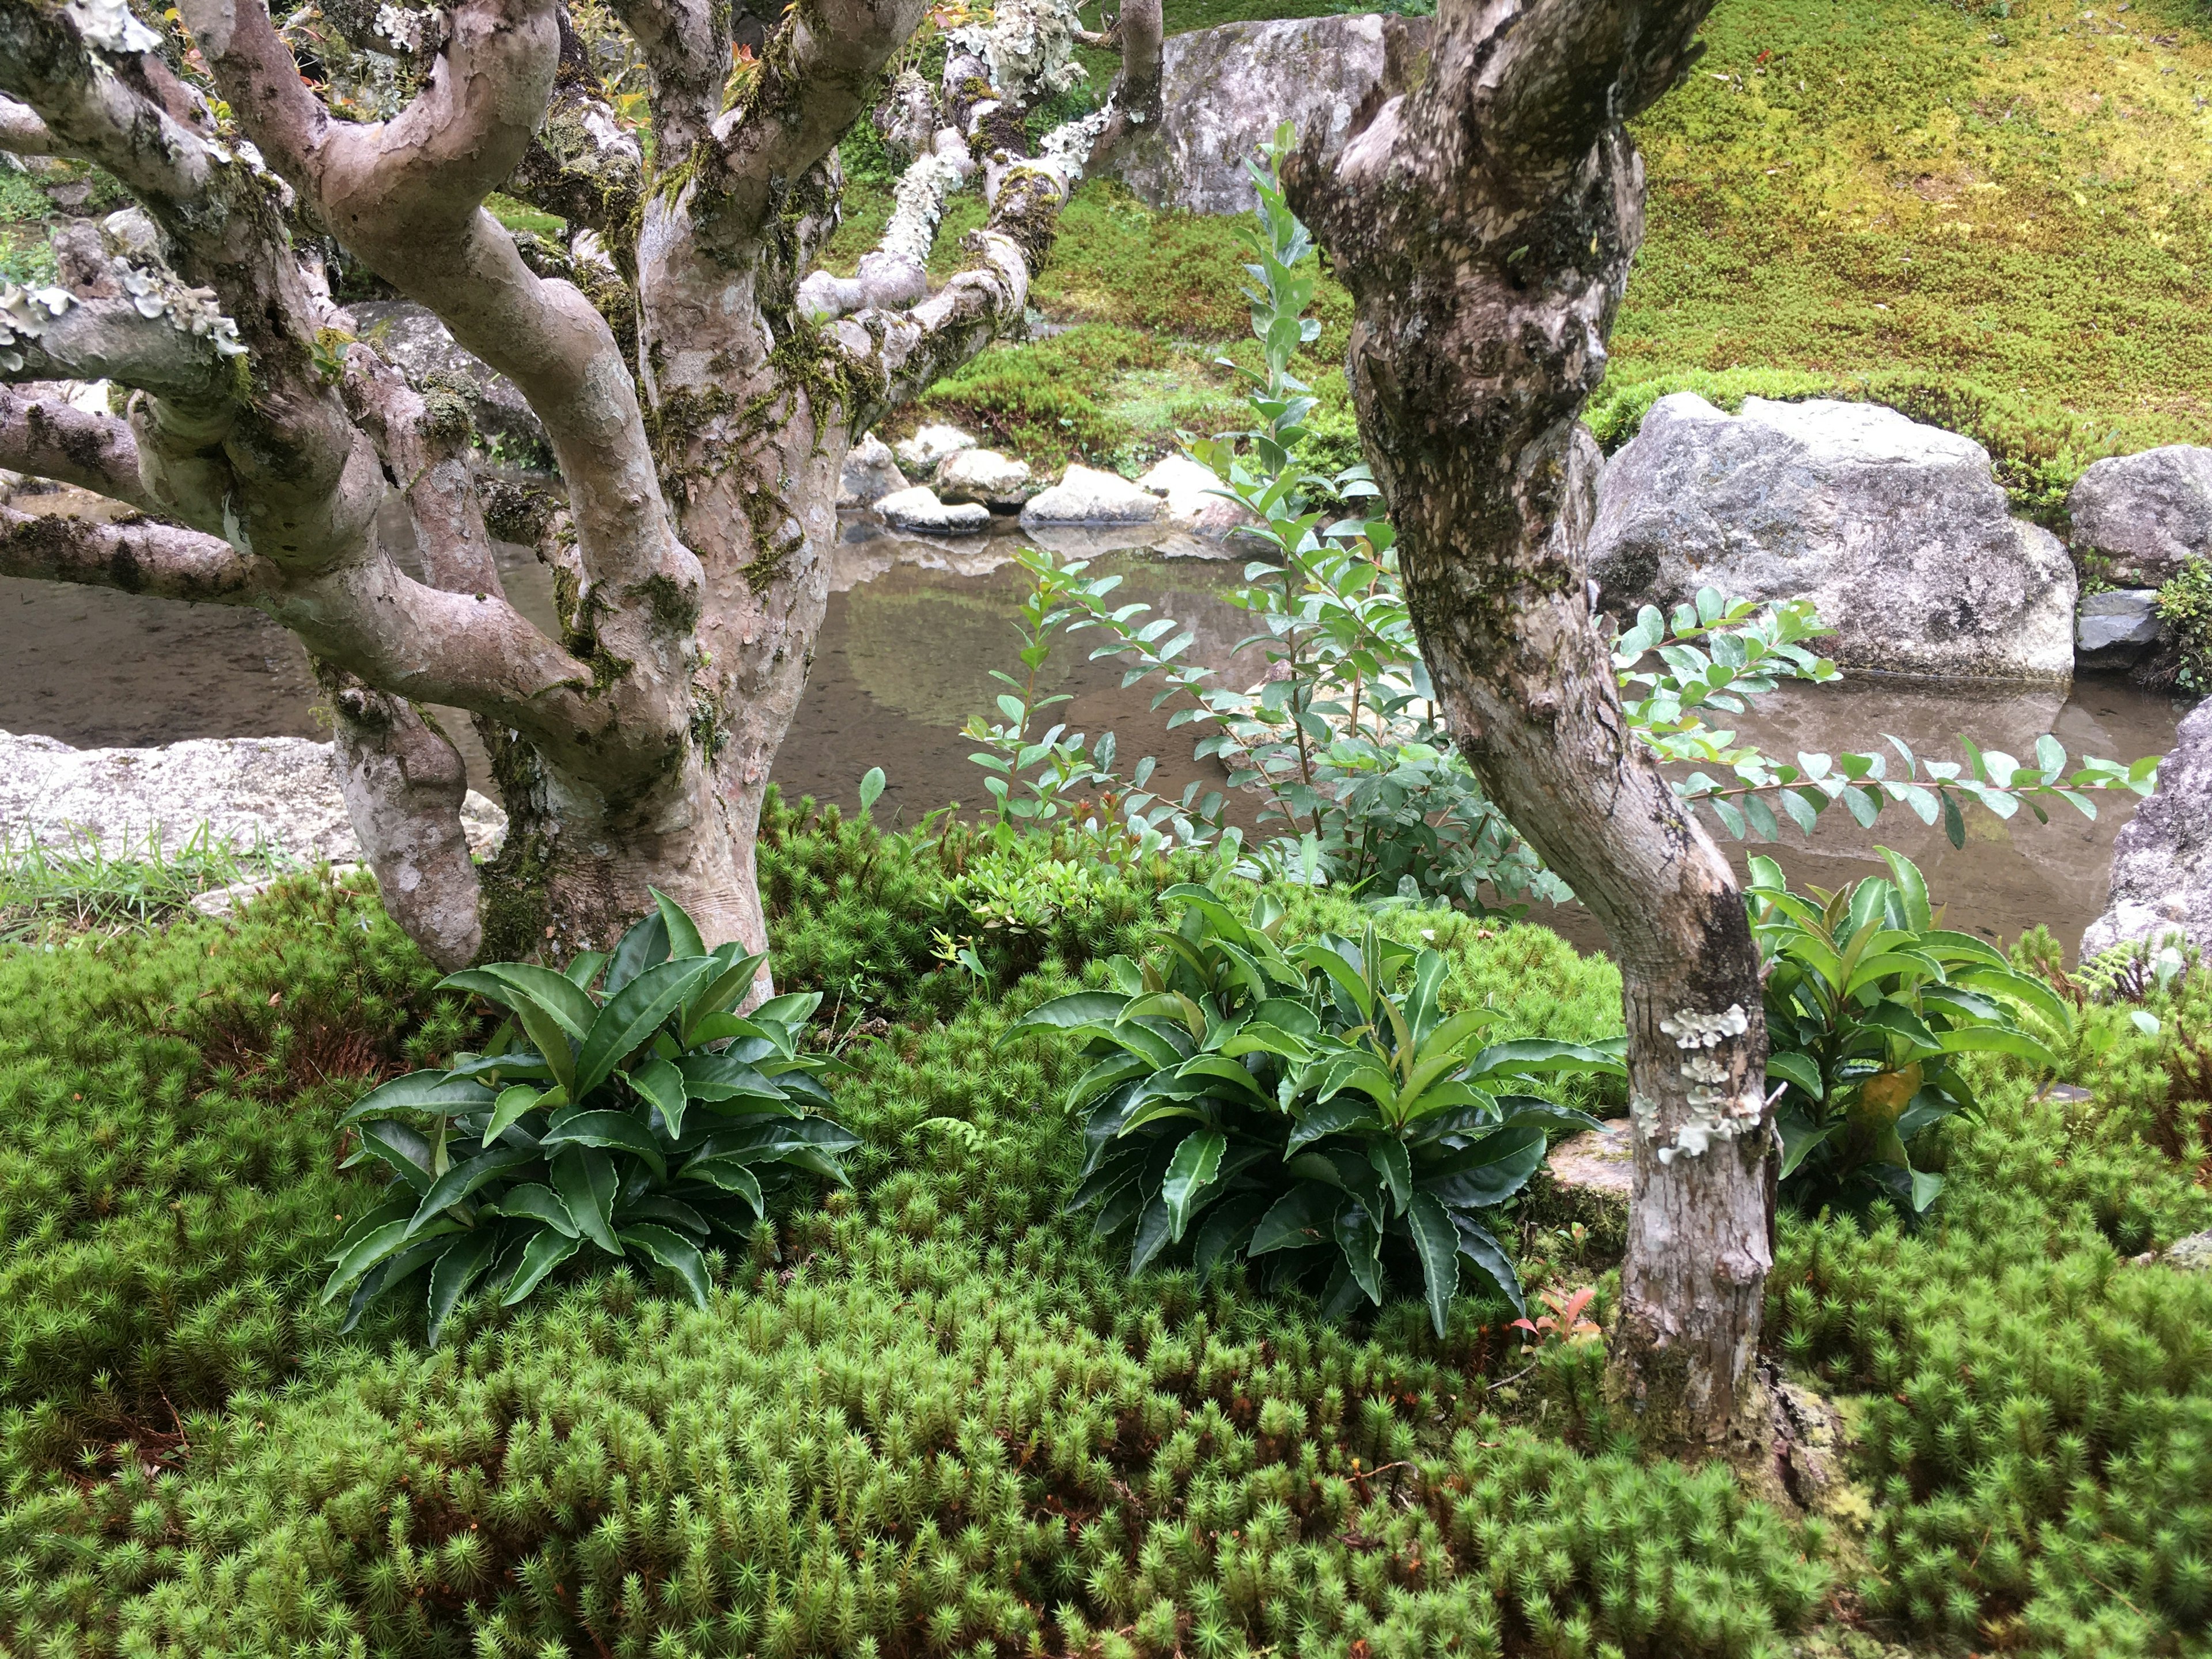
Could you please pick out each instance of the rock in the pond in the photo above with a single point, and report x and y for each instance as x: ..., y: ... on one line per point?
x: 1085, y: 495
x: 1898, y: 534
x: 918, y: 509
x: 984, y: 476
x: 411, y: 337
x: 2162, y: 857
x: 919, y: 454
x: 2116, y: 628
x: 870, y: 473
x: 280, y: 792
x: 2146, y: 513
x: 2191, y: 1255
x: 1226, y: 89
x: 1188, y: 490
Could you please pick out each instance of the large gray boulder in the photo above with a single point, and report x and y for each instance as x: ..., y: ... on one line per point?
x: 1898, y: 532
x: 1226, y: 89
x: 281, y: 791
x: 2145, y: 513
x: 411, y: 338
x: 2162, y: 857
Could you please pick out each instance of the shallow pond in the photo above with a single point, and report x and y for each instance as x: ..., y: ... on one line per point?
x: 915, y: 628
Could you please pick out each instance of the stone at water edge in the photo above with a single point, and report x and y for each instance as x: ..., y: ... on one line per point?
x: 1225, y: 90
x: 984, y: 476
x: 1085, y: 495
x: 2146, y: 513
x: 869, y: 474
x: 1187, y: 487
x: 280, y: 791
x: 919, y: 454
x: 2162, y: 857
x: 2116, y: 628
x: 1898, y: 532
x: 918, y: 509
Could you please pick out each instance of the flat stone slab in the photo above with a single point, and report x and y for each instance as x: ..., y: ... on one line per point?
x: 1587, y: 1178
x: 280, y: 792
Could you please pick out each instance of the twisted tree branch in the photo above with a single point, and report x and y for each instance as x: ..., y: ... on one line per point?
x: 815, y: 79
x: 135, y: 555
x: 50, y: 438
x: 58, y: 338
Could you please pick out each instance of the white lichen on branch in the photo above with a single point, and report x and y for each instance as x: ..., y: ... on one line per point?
x: 1716, y: 1111
x: 24, y: 314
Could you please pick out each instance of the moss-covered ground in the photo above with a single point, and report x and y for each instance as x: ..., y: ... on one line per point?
x: 1992, y: 216
x: 930, y: 1416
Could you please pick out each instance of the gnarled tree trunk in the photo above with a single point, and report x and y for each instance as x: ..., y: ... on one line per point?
x: 1485, y: 224
x: 698, y: 391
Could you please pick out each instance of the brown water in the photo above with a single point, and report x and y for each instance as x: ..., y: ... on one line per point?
x: 905, y: 656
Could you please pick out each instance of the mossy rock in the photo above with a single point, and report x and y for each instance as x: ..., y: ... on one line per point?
x: 1587, y: 1179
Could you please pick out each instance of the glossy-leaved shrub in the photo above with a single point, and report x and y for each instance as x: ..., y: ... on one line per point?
x: 1311, y: 1105
x: 1869, y: 1007
x: 622, y: 1106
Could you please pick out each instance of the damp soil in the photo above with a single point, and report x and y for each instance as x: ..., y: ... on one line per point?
x: 905, y: 658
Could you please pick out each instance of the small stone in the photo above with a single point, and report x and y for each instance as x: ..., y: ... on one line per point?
x: 984, y: 476
x: 918, y: 509
x: 869, y: 474
x: 920, y: 453
x: 2191, y: 1255
x: 1588, y: 1178
x: 1085, y: 495
x: 2113, y: 630
x: 1192, y: 502
x: 2146, y: 513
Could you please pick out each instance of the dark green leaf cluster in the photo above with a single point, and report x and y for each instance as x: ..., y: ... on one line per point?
x: 1869, y: 1005
x: 622, y: 1105
x: 1313, y: 1105
x: 2039, y: 1410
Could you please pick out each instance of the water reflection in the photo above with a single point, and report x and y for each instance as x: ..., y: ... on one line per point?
x: 914, y: 628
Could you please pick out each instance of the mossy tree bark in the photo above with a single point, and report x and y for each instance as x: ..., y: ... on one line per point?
x: 699, y: 413
x: 1484, y: 223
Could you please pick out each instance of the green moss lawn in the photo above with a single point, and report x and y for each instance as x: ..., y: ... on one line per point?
x: 1993, y: 217
x: 930, y: 1415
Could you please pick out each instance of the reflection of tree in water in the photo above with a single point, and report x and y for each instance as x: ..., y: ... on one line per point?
x: 922, y: 644
x: 927, y: 653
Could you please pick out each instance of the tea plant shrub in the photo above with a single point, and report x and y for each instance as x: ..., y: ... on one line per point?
x: 167, y: 1173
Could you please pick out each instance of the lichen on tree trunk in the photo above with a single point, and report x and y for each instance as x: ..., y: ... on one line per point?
x: 1484, y: 223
